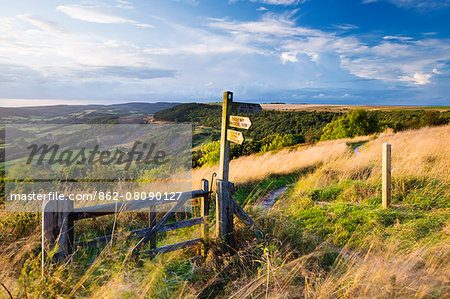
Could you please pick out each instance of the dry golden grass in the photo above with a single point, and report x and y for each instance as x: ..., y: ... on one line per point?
x: 387, y: 269
x: 383, y: 271
x: 421, y: 152
x: 421, y: 273
x: 416, y: 152
x: 256, y: 167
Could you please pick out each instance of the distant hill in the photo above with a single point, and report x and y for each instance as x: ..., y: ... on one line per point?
x: 80, y: 113
x: 191, y: 112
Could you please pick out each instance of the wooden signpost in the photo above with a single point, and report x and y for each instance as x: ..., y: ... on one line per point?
x: 226, y: 206
x: 235, y: 136
x: 247, y: 107
x: 228, y: 135
x: 240, y: 122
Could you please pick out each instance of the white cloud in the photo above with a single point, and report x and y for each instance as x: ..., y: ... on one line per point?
x: 47, y: 45
x: 345, y: 26
x: 261, y: 8
x: 190, y: 58
x: 279, y: 2
x: 417, y: 78
x: 124, y: 4
x: 401, y: 38
x: 395, y: 59
x: 288, y: 57
x: 95, y: 14
x: 144, y: 25
x: 436, y: 71
x: 420, y: 4
x: 313, y: 56
x: 190, y: 2
x: 42, y: 24
x: 270, y: 24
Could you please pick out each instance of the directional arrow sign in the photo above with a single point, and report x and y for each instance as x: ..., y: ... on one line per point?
x: 240, y: 122
x: 235, y: 136
x: 247, y: 107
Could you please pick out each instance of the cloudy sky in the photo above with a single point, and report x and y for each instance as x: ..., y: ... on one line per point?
x: 295, y: 51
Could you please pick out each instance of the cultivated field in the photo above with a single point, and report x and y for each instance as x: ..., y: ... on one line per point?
x: 346, y: 108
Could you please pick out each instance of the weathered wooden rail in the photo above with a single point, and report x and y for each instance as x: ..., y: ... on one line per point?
x: 58, y: 223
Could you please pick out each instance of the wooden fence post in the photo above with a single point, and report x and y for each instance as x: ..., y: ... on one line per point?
x: 386, y: 175
x: 57, y: 229
x: 224, y: 167
x: 224, y: 212
x: 204, y: 210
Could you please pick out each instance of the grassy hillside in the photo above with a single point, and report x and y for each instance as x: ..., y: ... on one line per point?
x: 326, y: 237
x: 329, y: 236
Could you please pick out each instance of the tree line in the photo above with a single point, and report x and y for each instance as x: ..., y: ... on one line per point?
x: 273, y: 129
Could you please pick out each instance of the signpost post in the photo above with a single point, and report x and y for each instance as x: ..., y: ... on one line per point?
x: 224, y: 143
x: 225, y: 204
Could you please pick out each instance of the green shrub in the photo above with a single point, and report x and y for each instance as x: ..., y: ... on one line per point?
x: 210, y: 153
x: 355, y: 123
x: 280, y: 141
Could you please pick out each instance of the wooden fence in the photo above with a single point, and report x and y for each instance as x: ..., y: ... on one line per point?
x: 58, y: 219
x: 59, y: 215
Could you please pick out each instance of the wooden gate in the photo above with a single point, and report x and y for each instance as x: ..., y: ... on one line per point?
x: 59, y: 215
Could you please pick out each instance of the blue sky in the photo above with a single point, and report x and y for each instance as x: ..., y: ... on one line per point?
x: 315, y: 51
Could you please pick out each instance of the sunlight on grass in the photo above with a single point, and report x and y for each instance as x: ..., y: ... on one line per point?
x: 327, y: 236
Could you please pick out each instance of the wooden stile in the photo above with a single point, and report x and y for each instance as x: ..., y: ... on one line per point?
x: 58, y: 217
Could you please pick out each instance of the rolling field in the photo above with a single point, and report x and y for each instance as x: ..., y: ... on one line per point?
x: 346, y: 108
